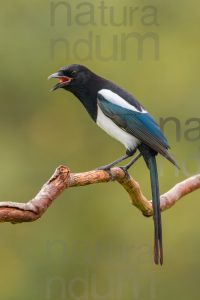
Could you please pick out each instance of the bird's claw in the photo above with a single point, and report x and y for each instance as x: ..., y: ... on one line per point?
x: 125, y: 170
x: 108, y: 170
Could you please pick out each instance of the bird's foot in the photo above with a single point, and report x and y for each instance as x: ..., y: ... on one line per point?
x: 125, y: 170
x: 108, y: 170
x: 127, y: 166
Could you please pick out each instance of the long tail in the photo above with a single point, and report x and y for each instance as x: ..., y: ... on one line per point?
x: 158, y: 247
x: 149, y: 156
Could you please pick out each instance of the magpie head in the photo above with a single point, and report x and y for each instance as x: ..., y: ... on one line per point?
x: 71, y: 77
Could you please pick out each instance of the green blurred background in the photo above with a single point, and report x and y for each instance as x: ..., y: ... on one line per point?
x: 91, y: 243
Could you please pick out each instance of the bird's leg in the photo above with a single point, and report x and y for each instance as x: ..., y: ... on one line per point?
x: 126, y: 167
x: 108, y: 166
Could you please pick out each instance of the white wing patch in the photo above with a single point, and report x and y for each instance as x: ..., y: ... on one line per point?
x: 128, y: 140
x: 116, y: 99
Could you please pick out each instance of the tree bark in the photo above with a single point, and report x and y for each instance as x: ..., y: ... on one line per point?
x: 63, y: 179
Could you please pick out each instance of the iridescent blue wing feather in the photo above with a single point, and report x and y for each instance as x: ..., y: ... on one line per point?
x: 139, y: 124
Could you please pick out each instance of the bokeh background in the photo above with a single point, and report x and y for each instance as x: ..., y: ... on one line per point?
x: 91, y: 243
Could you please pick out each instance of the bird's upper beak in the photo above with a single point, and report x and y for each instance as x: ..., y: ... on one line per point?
x: 63, y: 80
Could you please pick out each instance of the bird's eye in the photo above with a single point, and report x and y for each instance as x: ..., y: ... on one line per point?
x: 74, y: 72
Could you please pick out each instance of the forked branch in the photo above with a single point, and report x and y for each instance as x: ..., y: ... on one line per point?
x: 63, y: 179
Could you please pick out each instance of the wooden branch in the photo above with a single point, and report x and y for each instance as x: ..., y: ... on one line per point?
x: 63, y: 179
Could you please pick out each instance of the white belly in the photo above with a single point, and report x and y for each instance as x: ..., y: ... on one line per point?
x: 129, y: 141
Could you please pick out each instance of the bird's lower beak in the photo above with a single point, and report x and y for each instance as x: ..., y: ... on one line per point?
x: 63, y: 80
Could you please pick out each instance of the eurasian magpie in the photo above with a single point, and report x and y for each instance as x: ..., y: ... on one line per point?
x: 124, y: 118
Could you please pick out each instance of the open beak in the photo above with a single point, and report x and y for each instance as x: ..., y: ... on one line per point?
x: 63, y: 80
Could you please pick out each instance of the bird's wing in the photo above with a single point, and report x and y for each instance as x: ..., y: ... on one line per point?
x: 140, y: 124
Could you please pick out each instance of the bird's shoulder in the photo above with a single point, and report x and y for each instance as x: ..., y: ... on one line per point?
x: 114, y: 93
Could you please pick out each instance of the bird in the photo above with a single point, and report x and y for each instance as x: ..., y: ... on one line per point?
x: 118, y: 113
